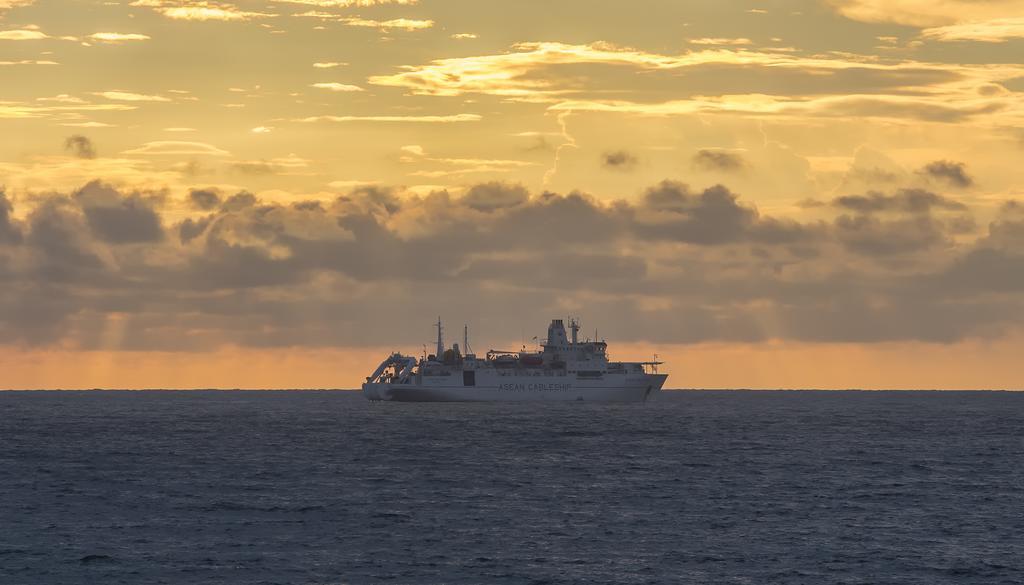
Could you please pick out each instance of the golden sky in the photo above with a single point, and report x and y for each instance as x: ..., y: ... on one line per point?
x: 773, y: 193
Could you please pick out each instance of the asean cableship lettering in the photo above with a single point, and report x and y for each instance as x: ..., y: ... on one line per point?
x: 537, y: 387
x: 563, y: 369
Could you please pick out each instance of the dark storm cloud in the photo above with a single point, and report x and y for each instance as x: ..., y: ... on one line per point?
x: 191, y: 229
x: 118, y: 219
x: 905, y: 201
x: 954, y: 173
x: 718, y: 160
x: 495, y: 195
x: 9, y: 233
x: 239, y: 201
x: 80, y: 146
x: 871, y: 236
x: 618, y: 160
x: 60, y: 245
x: 678, y: 265
x: 906, y: 222
x: 204, y: 199
x: 711, y: 217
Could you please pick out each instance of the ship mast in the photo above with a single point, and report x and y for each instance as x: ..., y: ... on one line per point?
x: 465, y: 340
x: 440, y: 339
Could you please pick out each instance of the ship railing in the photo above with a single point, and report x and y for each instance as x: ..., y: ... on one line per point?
x: 650, y: 367
x: 395, y: 369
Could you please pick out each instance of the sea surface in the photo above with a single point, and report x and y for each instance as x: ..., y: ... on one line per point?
x: 327, y: 488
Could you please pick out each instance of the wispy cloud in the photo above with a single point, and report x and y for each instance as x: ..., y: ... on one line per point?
x: 29, y: 62
x: 407, y: 24
x: 849, y: 85
x: 200, y: 10
x: 334, y: 86
x: 23, y: 110
x: 412, y: 119
x: 720, y: 41
x: 177, y: 147
x: 9, y: 4
x: 22, y: 35
x: 128, y: 96
x: 348, y: 3
x: 988, y: 31
x: 926, y: 13
x: 113, y: 37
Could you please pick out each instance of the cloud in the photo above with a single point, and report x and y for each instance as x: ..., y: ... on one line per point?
x: 495, y: 195
x: 89, y: 124
x: 28, y: 62
x: 349, y: 3
x: 22, y: 35
x: 6, y: 5
x: 64, y: 110
x: 80, y: 146
x: 333, y: 86
x: 397, y: 119
x: 275, y: 166
x: 998, y: 30
x: 117, y: 219
x: 200, y: 10
x: 406, y: 24
x: 113, y: 37
x: 676, y: 265
x: 464, y: 36
x: 954, y: 173
x: 718, y: 160
x: 9, y: 232
x: 907, y: 222
x: 926, y: 13
x: 582, y: 78
x: 177, y: 147
x: 465, y: 165
x: 718, y: 41
x: 618, y: 160
x: 990, y: 21
x: 711, y: 217
x: 328, y: 65
x: 905, y: 200
x: 127, y: 96
x: 204, y: 199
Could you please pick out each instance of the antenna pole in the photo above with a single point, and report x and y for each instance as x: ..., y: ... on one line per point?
x: 440, y: 339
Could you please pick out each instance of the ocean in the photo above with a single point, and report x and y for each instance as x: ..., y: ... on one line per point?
x: 326, y: 488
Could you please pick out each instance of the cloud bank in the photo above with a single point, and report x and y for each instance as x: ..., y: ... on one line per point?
x: 677, y: 265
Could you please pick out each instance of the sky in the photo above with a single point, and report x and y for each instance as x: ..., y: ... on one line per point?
x: 277, y: 193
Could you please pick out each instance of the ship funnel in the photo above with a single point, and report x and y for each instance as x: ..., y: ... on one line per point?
x: 556, y: 334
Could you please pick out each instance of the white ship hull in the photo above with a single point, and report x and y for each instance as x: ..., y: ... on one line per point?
x: 613, y: 388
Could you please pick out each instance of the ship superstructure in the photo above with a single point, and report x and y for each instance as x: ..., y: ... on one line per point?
x: 563, y: 369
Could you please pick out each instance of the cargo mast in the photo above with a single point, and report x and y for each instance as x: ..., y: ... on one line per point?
x: 440, y: 340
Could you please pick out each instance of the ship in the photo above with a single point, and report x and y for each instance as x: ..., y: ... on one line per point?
x: 563, y: 369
